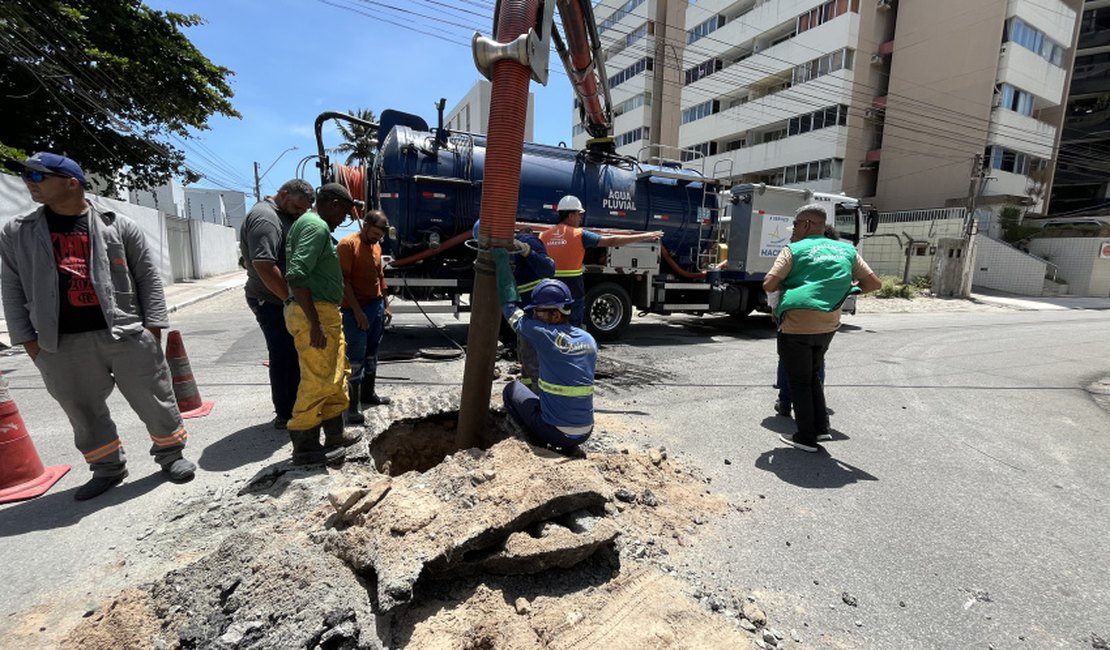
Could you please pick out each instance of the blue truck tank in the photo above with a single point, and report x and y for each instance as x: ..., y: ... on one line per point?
x: 431, y: 191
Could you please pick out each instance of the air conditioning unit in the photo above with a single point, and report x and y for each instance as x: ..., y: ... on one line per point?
x: 885, y: 4
x: 876, y: 59
x: 870, y: 113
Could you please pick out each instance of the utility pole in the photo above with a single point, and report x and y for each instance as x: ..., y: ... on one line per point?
x: 971, y: 226
x: 257, y: 184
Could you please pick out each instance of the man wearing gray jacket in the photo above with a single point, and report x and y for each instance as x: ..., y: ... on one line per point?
x: 82, y: 295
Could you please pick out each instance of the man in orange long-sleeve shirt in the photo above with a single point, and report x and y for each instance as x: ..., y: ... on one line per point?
x: 364, y: 309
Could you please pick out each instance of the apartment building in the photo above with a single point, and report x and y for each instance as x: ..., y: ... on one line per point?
x: 471, y: 113
x: 967, y: 78
x: 892, y: 100
x: 643, y: 42
x: 1082, y: 179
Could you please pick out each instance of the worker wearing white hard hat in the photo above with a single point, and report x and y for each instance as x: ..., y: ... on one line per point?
x: 567, y: 242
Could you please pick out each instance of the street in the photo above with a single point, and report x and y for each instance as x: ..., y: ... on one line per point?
x: 962, y: 504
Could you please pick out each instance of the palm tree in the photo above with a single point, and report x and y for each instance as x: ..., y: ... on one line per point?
x: 361, y: 141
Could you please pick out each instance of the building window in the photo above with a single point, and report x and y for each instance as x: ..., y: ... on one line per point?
x: 617, y: 15
x: 635, y: 135
x: 823, y: 65
x: 636, y: 35
x: 831, y: 116
x: 1016, y: 100
x: 643, y: 99
x: 733, y: 145
x: 630, y: 72
x: 1034, y: 40
x: 702, y: 150
x: 702, y: 70
x: 704, y: 109
x: 1015, y: 162
x: 704, y: 28
x: 809, y: 172
x: 824, y: 13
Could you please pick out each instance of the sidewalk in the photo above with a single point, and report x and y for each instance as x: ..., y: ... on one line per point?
x: 1039, y: 303
x: 183, y: 294
x: 178, y: 294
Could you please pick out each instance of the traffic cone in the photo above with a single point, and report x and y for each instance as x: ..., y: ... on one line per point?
x: 22, y: 475
x: 184, y: 386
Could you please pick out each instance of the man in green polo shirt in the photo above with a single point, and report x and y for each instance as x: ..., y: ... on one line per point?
x: 816, y: 274
x: 312, y: 317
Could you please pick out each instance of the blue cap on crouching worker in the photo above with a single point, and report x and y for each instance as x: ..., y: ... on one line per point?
x: 52, y: 163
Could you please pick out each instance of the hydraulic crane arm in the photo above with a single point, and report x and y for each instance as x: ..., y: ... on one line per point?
x: 585, y: 64
x: 580, y: 51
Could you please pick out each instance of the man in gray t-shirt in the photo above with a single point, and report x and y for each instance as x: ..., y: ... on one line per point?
x: 262, y: 244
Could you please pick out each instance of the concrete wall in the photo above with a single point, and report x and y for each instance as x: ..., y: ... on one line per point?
x: 215, y: 249
x: 1078, y: 261
x: 886, y: 254
x: 1002, y: 267
x: 213, y: 246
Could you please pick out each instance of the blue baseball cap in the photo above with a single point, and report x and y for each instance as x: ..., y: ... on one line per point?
x: 52, y: 163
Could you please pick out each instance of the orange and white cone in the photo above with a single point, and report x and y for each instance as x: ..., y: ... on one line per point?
x: 184, y: 386
x: 22, y: 475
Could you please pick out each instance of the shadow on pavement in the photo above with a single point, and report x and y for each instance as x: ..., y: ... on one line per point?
x: 810, y: 470
x: 59, y: 510
x: 252, y: 444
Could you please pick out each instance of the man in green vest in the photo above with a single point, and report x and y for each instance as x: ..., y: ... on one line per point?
x: 816, y: 274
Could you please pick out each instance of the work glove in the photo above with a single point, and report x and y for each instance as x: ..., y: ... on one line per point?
x: 522, y: 248
x: 506, y: 283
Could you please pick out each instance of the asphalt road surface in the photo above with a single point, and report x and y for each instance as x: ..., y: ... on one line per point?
x: 963, y: 503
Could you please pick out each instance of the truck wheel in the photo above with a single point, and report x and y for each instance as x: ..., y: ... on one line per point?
x: 608, y: 311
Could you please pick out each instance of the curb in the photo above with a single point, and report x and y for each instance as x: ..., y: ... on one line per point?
x: 192, y: 301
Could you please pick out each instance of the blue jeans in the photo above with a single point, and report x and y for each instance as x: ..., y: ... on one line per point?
x: 285, y: 370
x: 524, y: 407
x: 362, y: 344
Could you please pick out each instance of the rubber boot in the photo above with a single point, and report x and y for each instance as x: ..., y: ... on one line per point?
x: 336, y: 436
x: 354, y: 410
x: 307, y: 449
x: 367, y: 394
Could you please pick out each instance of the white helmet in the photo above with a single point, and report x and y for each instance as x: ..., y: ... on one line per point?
x: 570, y: 203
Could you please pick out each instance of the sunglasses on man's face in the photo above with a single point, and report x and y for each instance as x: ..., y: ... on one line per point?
x: 36, y: 176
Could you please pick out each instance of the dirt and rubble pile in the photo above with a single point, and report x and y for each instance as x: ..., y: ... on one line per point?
x: 510, y: 547
x: 255, y: 591
x: 460, y: 517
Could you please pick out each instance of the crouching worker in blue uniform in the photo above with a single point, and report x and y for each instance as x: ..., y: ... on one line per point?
x: 560, y: 411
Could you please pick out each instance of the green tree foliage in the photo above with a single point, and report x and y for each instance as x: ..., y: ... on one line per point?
x: 108, y: 83
x: 1013, y: 230
x: 361, y: 142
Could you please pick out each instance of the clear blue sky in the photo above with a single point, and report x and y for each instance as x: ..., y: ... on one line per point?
x: 294, y: 59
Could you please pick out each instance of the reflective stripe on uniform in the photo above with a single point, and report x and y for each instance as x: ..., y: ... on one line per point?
x: 569, y: 273
x: 566, y: 391
x: 177, y: 437
x: 101, y: 452
x: 528, y: 286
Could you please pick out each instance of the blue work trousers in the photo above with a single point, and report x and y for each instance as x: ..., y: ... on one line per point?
x: 362, y: 344
x: 524, y: 407
x: 285, y: 370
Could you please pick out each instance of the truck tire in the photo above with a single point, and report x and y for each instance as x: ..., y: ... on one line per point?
x: 608, y: 311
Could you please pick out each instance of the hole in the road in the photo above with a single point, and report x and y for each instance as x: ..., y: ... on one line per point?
x: 420, y: 444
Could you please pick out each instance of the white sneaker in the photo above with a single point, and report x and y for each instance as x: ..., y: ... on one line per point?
x: 789, y: 439
x: 824, y: 437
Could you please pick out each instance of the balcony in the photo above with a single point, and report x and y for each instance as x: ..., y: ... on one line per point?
x: 1020, y: 67
x: 1015, y: 131
x: 769, y: 109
